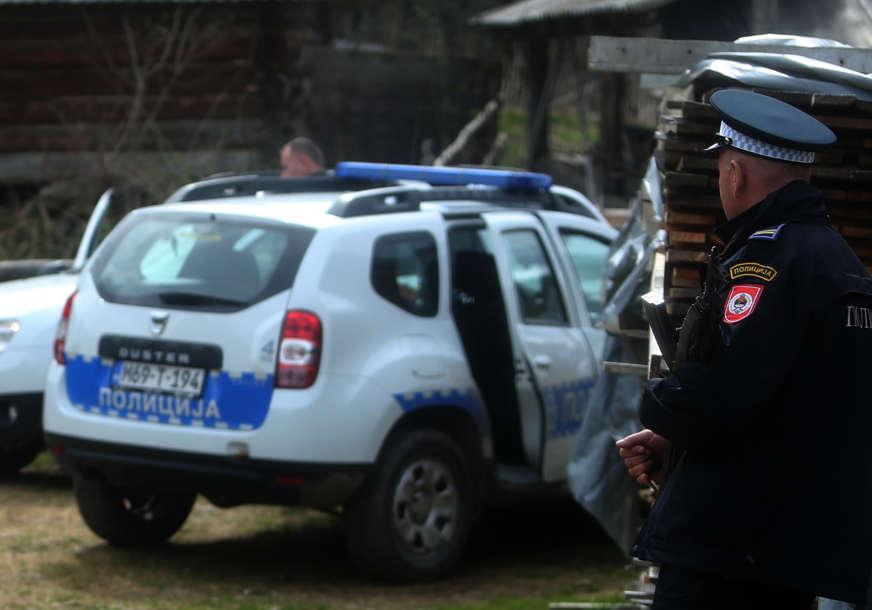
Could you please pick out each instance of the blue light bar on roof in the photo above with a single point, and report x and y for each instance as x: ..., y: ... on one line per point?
x: 444, y: 176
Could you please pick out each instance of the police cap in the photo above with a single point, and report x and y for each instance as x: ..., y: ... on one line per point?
x: 767, y: 127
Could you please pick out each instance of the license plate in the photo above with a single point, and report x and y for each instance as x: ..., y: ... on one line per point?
x: 160, y: 378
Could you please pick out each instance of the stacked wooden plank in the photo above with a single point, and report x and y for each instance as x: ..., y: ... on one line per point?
x: 690, y: 182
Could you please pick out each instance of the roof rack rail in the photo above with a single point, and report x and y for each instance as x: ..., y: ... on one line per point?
x: 408, y: 198
x: 385, y: 200
x: 243, y: 185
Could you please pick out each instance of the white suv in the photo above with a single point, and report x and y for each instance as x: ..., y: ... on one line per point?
x: 398, y: 353
x: 29, y: 311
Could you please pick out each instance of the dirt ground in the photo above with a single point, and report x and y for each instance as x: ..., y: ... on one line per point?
x: 280, y: 558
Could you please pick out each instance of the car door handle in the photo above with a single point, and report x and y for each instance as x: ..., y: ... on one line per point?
x: 542, y: 362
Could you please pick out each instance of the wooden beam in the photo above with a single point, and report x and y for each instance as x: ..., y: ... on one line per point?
x: 660, y: 56
x: 153, y: 135
x: 16, y: 110
x: 38, y: 168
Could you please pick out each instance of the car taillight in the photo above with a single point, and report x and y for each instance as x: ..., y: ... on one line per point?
x: 60, y: 342
x: 299, y: 350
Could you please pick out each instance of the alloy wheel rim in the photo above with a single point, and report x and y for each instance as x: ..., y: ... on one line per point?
x: 143, y: 508
x: 425, y: 506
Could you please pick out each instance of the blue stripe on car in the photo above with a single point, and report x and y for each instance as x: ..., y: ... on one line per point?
x: 465, y: 399
x: 238, y: 402
x: 565, y: 405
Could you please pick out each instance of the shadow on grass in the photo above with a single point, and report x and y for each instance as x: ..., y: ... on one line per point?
x: 534, y: 538
x: 42, y: 479
x: 314, y: 551
x: 42, y: 473
x: 539, y: 529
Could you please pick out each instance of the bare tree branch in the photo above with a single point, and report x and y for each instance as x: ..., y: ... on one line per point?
x: 466, y: 133
x: 148, y: 60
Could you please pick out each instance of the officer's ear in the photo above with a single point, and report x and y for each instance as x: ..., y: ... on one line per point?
x: 737, y: 177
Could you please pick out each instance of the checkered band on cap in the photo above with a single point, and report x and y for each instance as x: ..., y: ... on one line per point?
x: 758, y: 147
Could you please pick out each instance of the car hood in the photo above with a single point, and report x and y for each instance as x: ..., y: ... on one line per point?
x: 26, y: 296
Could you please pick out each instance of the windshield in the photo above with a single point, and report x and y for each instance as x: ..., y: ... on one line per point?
x: 198, y: 262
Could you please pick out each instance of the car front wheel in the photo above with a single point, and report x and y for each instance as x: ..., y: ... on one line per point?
x: 412, y: 517
x: 130, y: 517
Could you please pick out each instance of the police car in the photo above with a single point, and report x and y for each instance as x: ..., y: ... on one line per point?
x: 398, y: 352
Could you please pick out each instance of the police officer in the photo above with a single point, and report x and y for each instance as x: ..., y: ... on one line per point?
x: 765, y: 416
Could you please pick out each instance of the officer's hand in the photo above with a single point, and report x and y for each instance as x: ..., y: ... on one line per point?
x: 644, y: 453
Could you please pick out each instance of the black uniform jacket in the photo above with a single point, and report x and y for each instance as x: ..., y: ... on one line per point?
x: 773, y: 482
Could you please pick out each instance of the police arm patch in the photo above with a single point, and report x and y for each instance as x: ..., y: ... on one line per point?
x: 741, y: 302
x: 755, y: 270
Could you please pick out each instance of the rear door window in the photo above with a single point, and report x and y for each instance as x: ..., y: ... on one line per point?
x: 405, y: 271
x: 198, y: 262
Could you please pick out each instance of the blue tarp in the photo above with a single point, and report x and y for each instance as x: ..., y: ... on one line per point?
x: 597, y: 476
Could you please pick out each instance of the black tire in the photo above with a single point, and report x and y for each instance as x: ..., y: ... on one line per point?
x: 13, y: 460
x: 130, y: 517
x: 411, y: 519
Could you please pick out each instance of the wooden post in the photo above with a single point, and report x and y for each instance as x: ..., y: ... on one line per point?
x: 764, y: 15
x: 538, y: 69
x: 271, y: 54
x: 578, y: 54
x: 612, y: 132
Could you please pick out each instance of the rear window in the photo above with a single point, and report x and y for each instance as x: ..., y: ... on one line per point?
x: 576, y: 206
x: 198, y: 262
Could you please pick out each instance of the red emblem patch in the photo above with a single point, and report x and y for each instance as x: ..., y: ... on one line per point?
x: 741, y: 302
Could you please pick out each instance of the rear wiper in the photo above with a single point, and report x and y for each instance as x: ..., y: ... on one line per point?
x: 195, y: 298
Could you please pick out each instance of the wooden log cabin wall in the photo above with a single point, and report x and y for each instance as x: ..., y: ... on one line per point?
x: 151, y: 95
x: 134, y: 90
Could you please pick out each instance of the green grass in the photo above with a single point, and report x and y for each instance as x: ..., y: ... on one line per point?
x: 43, y: 461
x: 513, y: 122
x: 277, y: 558
x: 526, y: 603
x: 564, y: 133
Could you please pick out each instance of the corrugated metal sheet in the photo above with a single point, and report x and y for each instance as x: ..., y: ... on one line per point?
x: 526, y: 11
x: 121, y: 2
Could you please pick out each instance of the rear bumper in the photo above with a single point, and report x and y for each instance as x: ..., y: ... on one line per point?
x: 225, y: 480
x: 20, y: 420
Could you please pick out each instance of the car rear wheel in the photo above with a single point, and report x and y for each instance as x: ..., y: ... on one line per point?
x: 130, y: 517
x: 412, y: 517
